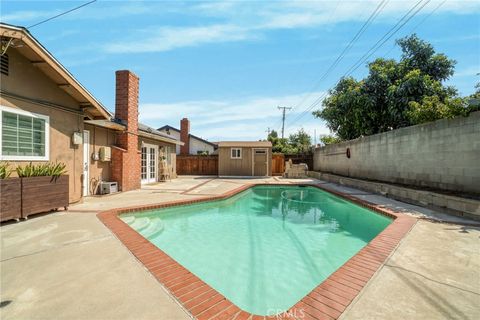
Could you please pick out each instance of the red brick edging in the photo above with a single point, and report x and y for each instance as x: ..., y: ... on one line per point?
x: 327, y: 301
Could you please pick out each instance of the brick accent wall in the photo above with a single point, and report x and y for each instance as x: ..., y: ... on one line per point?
x: 126, y: 157
x: 185, y: 136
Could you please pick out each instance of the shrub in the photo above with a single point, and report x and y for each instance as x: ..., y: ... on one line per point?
x: 5, y: 170
x: 40, y: 170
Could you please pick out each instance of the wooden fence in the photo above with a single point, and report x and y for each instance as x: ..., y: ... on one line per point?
x: 278, y: 164
x: 208, y: 165
x: 197, y: 165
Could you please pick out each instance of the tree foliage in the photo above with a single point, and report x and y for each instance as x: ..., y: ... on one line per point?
x: 329, y: 139
x: 394, y: 94
x: 299, y: 142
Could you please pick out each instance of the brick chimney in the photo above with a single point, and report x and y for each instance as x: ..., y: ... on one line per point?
x: 126, y: 156
x: 185, y: 136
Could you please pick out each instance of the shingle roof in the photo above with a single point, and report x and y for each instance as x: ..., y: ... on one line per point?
x: 147, y: 129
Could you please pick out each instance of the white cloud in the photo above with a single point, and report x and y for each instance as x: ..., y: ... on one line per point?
x: 468, y: 72
x: 241, y: 21
x: 27, y: 15
x: 169, y: 38
x: 233, y: 119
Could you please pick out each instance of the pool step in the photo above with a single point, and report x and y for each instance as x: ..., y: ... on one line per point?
x: 140, y: 223
x: 155, y: 227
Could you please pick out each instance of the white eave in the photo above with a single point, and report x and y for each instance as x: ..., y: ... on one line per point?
x: 159, y: 138
x: 107, y: 124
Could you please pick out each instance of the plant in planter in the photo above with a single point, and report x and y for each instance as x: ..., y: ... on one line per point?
x: 10, y: 190
x: 44, y: 187
x: 5, y: 170
x: 48, y: 169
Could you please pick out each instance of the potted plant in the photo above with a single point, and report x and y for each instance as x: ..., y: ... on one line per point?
x: 10, y: 191
x: 44, y: 187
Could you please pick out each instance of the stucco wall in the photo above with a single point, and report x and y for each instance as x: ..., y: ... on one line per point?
x: 444, y: 154
x: 99, y: 170
x: 27, y: 81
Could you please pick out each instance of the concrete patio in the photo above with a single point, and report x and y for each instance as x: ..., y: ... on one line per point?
x: 68, y: 265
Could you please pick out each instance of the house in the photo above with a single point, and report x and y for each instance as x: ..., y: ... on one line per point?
x: 245, y: 158
x: 47, y: 115
x: 192, y: 144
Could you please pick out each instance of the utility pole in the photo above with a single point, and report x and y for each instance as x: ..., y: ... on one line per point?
x: 283, y: 118
x: 268, y: 131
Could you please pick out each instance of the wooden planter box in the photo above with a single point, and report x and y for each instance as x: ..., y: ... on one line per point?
x: 42, y: 194
x: 10, y: 199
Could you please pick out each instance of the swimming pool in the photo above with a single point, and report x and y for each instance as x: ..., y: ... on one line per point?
x: 265, y: 248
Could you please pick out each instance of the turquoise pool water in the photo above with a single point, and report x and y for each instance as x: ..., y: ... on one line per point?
x: 265, y: 248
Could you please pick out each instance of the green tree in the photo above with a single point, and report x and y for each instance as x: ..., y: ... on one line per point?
x: 329, y: 139
x: 394, y: 94
x: 301, y: 141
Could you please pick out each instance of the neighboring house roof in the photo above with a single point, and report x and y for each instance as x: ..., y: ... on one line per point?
x: 149, y: 132
x: 246, y: 144
x: 21, y: 39
x: 167, y: 127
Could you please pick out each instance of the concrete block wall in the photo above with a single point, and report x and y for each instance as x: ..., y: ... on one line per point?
x: 444, y: 154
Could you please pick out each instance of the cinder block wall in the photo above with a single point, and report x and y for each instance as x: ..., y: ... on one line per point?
x: 444, y: 154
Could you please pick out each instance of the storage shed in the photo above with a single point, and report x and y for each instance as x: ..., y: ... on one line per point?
x: 245, y: 158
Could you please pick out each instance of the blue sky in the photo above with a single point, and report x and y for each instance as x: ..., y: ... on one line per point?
x: 228, y: 65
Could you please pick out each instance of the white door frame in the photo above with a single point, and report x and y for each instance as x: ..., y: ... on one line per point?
x: 148, y: 159
x: 253, y: 160
x: 86, y: 164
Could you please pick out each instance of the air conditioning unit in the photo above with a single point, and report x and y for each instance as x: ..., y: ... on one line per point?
x: 105, y: 153
x: 108, y: 187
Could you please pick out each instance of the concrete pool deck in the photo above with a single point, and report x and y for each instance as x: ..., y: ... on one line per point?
x: 68, y: 265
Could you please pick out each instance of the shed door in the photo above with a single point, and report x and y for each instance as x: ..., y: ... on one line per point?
x: 260, y: 162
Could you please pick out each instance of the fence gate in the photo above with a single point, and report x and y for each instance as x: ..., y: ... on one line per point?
x: 278, y: 164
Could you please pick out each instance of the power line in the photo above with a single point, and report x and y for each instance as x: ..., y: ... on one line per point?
x: 419, y: 24
x: 392, y: 31
x: 359, y: 33
x: 366, y: 56
x: 283, y: 118
x: 61, y: 14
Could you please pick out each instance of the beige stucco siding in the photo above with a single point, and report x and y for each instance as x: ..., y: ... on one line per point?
x: 62, y: 126
x: 99, y: 170
x: 27, y: 81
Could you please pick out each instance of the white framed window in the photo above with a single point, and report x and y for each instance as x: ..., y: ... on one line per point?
x: 24, y: 135
x: 236, y: 153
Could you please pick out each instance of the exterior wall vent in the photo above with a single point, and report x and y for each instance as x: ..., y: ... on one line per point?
x: 4, y: 64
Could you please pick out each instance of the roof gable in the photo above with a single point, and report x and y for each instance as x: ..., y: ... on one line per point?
x: 40, y: 57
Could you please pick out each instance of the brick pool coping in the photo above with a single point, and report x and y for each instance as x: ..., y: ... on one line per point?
x: 327, y: 301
